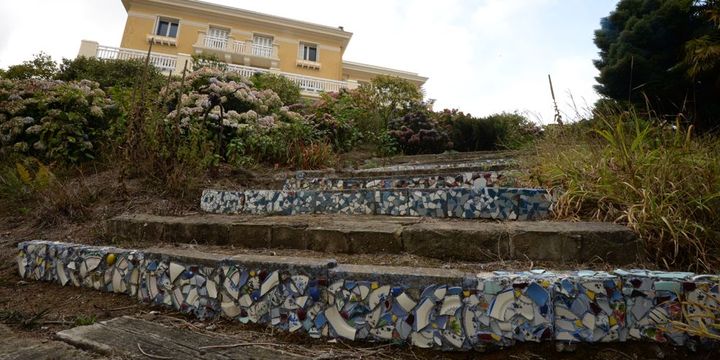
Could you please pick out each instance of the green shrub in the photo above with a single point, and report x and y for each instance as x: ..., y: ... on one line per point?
x: 110, y: 73
x: 660, y: 180
x: 285, y: 88
x: 40, y: 67
x: 222, y: 117
x: 53, y: 120
x: 212, y: 61
x: 498, y: 131
x: 418, y: 133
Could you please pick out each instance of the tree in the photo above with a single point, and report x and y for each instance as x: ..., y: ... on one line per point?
x: 40, y: 67
x: 650, y: 56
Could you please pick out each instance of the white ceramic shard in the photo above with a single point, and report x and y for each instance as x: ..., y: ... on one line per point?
x: 270, y: 283
x: 135, y: 277
x: 192, y: 297
x: 152, y: 286
x: 301, y: 300
x: 234, y: 293
x: 588, y: 321
x: 501, y: 303
x: 422, y: 314
x: 469, y: 321
x: 117, y: 282
x: 364, y: 292
x: 422, y: 340
x: 92, y: 262
x: 450, y: 305
x: 338, y: 323
x: 453, y: 338
x: 175, y: 271
x: 230, y: 309
x: 440, y: 292
x: 178, y: 297
x: 378, y: 295
x: 384, y: 332
x: 561, y: 312
x: 405, y: 302
x: 245, y: 300
x: 62, y: 277
x: 211, y: 289
x: 300, y: 282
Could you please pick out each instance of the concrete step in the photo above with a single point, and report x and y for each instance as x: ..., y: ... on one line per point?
x: 132, y: 338
x: 426, y: 307
x: 434, y: 238
x: 484, y: 203
x: 467, y: 180
x: 445, y: 157
x: 434, y: 167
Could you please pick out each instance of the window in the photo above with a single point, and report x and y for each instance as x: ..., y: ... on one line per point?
x: 308, y: 52
x: 167, y: 27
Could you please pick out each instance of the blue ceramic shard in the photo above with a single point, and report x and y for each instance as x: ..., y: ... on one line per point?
x: 538, y: 294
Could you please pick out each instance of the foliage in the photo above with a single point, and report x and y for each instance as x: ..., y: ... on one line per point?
x: 498, y: 131
x: 20, y: 179
x: 335, y: 117
x: 221, y: 117
x: 53, y: 120
x: 110, y: 73
x: 40, y: 67
x: 647, y: 50
x: 204, y: 60
x: 661, y: 180
x: 417, y: 133
x: 285, y: 88
x: 386, y: 98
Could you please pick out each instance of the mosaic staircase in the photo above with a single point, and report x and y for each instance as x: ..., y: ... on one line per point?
x: 441, y: 309
x: 463, y: 190
x: 389, y: 211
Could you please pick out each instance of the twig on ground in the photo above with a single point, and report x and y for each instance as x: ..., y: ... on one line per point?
x: 234, y: 345
x: 150, y: 355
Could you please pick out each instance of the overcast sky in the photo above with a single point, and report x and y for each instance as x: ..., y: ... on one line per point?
x: 482, y: 56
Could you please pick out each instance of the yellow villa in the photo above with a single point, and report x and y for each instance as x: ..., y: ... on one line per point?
x: 310, y: 55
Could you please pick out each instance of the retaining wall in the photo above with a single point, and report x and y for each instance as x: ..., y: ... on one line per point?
x: 428, y: 308
x: 467, y: 180
x: 486, y: 203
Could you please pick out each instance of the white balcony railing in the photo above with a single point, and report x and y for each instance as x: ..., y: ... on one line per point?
x: 261, y: 50
x: 163, y: 62
x: 305, y: 83
x: 213, y: 42
x: 235, y: 46
x: 167, y: 63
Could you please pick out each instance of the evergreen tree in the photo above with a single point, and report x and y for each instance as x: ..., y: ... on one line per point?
x: 660, y: 53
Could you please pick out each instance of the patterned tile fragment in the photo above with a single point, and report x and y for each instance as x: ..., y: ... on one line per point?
x: 483, y: 311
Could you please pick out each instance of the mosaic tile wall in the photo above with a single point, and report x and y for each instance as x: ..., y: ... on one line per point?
x: 468, y: 312
x: 468, y: 180
x: 486, y: 203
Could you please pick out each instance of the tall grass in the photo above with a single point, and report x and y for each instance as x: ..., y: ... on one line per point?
x: 660, y: 179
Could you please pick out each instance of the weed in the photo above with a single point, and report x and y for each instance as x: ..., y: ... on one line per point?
x: 83, y: 320
x: 659, y: 179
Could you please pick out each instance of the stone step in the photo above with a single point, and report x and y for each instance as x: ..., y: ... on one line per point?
x: 468, y: 180
x: 434, y: 238
x: 432, y: 168
x: 425, y: 307
x: 445, y: 157
x: 485, y: 203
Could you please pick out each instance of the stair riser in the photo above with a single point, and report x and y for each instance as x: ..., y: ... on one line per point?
x: 486, y: 203
x: 367, y: 303
x: 470, y: 180
x: 455, y: 241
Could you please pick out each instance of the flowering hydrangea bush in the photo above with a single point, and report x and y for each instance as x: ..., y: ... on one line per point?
x: 417, y: 133
x: 53, y: 120
x: 244, y: 124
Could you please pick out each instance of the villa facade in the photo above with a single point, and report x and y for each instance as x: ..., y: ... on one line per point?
x: 309, y: 54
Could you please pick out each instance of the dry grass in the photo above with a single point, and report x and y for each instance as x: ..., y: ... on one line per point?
x: 660, y: 180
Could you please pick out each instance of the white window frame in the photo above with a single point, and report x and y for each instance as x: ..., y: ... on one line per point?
x: 170, y: 21
x: 301, y: 51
